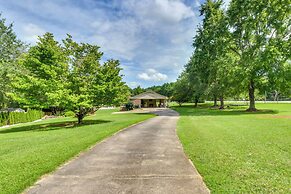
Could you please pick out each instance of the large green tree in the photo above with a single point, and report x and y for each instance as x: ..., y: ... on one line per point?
x: 10, y: 50
x: 42, y: 84
x: 182, y: 90
x: 113, y: 90
x: 92, y: 84
x: 211, y: 62
x: 260, y: 37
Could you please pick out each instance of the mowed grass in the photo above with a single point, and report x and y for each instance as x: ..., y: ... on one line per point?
x: 239, y: 152
x: 28, y: 151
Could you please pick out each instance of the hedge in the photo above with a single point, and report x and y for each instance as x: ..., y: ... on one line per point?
x: 19, y: 117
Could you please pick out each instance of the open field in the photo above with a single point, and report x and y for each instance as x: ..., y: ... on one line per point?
x: 28, y: 151
x: 239, y: 152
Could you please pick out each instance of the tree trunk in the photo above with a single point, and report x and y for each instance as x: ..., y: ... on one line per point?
x: 196, y: 102
x: 81, y: 114
x: 215, y: 100
x: 221, y: 102
x: 80, y: 118
x: 252, y: 106
x: 276, y: 96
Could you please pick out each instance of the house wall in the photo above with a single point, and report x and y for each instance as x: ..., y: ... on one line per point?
x: 136, y: 102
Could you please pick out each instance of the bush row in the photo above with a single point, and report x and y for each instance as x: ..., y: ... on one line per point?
x: 19, y: 117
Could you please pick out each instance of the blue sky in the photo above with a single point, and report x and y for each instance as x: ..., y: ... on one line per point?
x: 151, y: 38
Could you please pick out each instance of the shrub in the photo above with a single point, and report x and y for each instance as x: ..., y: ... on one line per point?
x: 69, y: 114
x: 19, y: 117
x: 129, y: 106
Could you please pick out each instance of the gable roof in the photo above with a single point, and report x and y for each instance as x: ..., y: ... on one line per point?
x: 149, y: 95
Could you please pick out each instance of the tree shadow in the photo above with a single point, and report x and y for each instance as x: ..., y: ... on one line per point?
x: 53, y: 126
x: 206, y: 110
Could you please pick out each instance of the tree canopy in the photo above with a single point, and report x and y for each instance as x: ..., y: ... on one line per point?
x: 55, y: 75
x: 10, y: 50
x: 243, y: 48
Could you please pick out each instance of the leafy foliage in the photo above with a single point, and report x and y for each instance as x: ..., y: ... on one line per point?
x: 245, y: 48
x: 129, y: 106
x: 68, y: 76
x: 92, y: 84
x: 137, y: 90
x: 182, y: 90
x: 260, y: 38
x: 19, y: 117
x: 43, y: 83
x: 10, y: 50
x: 166, y: 89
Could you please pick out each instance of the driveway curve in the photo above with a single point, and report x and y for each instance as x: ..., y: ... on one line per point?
x: 144, y: 158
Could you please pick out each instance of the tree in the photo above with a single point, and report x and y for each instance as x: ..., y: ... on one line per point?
x: 90, y: 83
x: 212, y: 62
x: 182, y: 91
x: 10, y: 49
x: 114, y: 90
x: 137, y: 90
x: 166, y: 89
x: 42, y: 84
x: 260, y: 37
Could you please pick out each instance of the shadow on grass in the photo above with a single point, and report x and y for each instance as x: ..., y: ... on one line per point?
x: 206, y: 110
x: 53, y: 126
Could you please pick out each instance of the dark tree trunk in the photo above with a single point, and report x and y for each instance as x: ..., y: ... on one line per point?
x: 81, y: 114
x: 214, y: 100
x: 252, y: 106
x: 80, y: 118
x: 53, y: 111
x: 221, y: 102
x: 196, y: 102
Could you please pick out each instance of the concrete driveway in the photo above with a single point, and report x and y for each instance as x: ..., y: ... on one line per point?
x: 145, y: 158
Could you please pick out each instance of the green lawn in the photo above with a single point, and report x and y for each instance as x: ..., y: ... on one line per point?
x: 239, y: 152
x: 28, y: 151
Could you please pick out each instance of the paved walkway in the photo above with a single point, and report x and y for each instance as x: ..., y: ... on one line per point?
x: 145, y: 158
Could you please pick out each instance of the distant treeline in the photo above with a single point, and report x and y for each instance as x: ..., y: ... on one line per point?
x: 166, y: 89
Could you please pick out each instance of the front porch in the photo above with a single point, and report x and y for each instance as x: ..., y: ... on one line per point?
x: 152, y: 103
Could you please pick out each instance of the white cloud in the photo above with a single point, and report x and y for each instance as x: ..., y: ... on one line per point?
x: 31, y: 32
x: 133, y: 84
x: 118, y: 37
x: 197, y: 3
x: 138, y: 33
x: 226, y: 4
x: 151, y: 12
x: 152, y: 75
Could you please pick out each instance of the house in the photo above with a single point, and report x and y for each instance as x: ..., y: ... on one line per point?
x: 149, y: 99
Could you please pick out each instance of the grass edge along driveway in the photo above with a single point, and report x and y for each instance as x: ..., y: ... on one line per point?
x: 239, y: 152
x: 30, y: 150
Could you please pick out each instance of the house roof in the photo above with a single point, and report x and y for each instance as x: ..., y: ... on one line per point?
x: 149, y: 95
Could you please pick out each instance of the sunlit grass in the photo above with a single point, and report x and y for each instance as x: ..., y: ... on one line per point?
x: 28, y: 151
x: 237, y: 151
